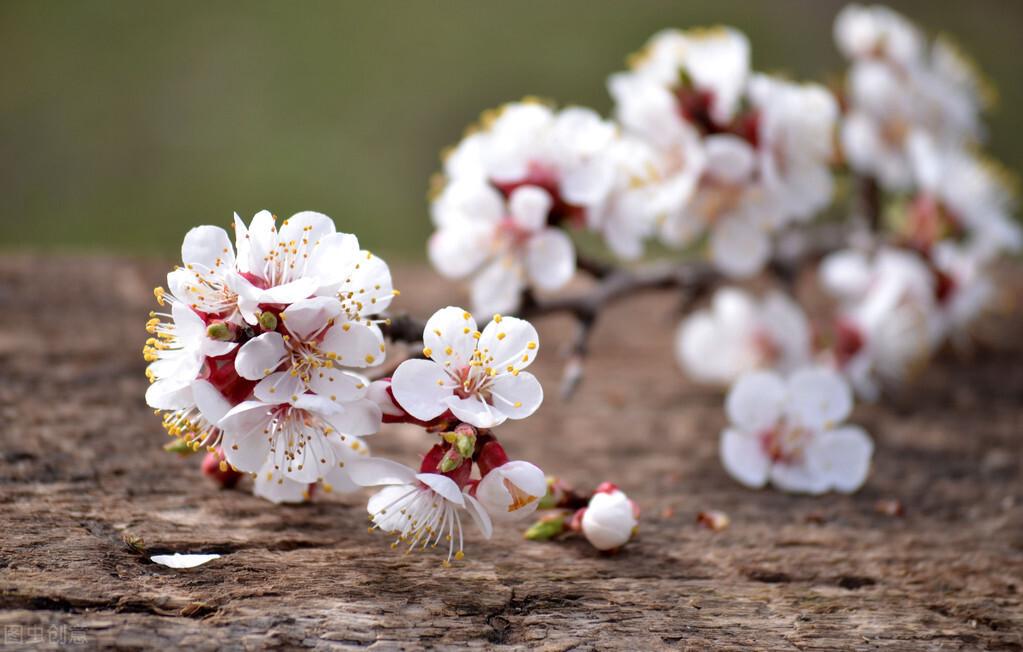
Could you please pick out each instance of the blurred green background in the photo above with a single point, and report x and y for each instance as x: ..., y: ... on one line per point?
x: 123, y: 123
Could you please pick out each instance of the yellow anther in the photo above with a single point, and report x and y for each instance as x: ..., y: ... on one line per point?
x: 498, y: 318
x: 427, y: 351
x: 501, y: 336
x: 531, y: 346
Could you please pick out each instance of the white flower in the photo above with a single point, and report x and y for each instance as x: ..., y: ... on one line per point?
x: 609, y: 520
x: 877, y: 32
x: 195, y: 415
x: 421, y: 509
x: 177, y: 353
x: 512, y: 491
x: 274, y: 485
x: 307, y: 257
x: 737, y: 334
x: 208, y: 280
x: 305, y: 439
x: 889, y: 301
x: 313, y: 341
x: 506, y: 246
x: 788, y: 432
x: 479, y: 377
x: 961, y: 191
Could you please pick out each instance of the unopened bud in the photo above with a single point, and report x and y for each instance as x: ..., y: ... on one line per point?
x: 452, y: 460
x: 218, y: 330
x: 463, y: 439
x: 546, y: 528
x: 268, y: 320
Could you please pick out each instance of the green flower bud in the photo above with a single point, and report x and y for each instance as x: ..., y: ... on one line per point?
x: 268, y: 320
x: 218, y: 330
x: 546, y: 528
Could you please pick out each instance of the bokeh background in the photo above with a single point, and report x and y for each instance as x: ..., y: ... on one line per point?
x: 123, y: 123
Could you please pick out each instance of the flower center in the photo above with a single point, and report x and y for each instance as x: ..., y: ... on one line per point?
x: 785, y: 443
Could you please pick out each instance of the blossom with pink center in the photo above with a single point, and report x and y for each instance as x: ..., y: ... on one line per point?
x: 306, y: 439
x: 738, y: 333
x: 310, y: 350
x: 421, y: 509
x: 505, y: 246
x: 478, y: 377
x: 789, y: 432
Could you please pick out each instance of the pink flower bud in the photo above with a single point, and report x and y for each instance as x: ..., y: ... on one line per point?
x: 215, y: 466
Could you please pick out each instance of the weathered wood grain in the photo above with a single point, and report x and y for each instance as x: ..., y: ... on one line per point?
x: 81, y: 465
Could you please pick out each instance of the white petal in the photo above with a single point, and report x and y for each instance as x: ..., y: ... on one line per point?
x: 419, y: 388
x: 169, y: 394
x: 460, y: 250
x: 279, y: 387
x: 498, y: 288
x: 550, y: 259
x: 210, y: 401
x: 495, y: 491
x: 306, y: 224
x: 358, y: 418
x: 376, y: 471
x: 476, y: 412
x: 177, y: 560
x: 744, y: 458
x: 245, y: 445
x: 289, y: 292
x: 278, y: 489
x: 260, y: 356
x: 818, y: 397
x: 331, y: 259
x: 449, y: 337
x: 730, y: 159
x: 444, y: 486
x: 517, y: 396
x: 842, y: 456
x: 355, y: 344
x: 756, y: 401
x: 479, y: 516
x: 798, y: 478
x: 308, y: 317
x: 510, y: 342
x: 369, y: 283
x: 529, y: 207
x: 739, y: 247
x: 337, y: 385
x: 209, y: 247
x: 262, y: 236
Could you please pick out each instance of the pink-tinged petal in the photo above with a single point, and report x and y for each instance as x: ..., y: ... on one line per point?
x: 376, y: 471
x: 474, y: 411
x: 279, y: 387
x: 307, y: 318
x: 517, y: 396
x: 529, y: 206
x: 744, y: 458
x: 245, y: 445
x: 338, y: 385
x: 495, y: 491
x: 289, y: 292
x: 260, y: 356
x: 498, y: 288
x: 420, y: 387
x: 169, y: 394
x: 842, y: 457
x: 355, y: 344
x: 207, y: 247
x: 818, y: 398
x: 756, y: 401
x: 550, y: 259
x: 739, y: 247
x: 798, y: 478
x: 444, y: 486
x: 510, y: 342
x: 210, y: 401
x: 479, y: 516
x: 449, y: 338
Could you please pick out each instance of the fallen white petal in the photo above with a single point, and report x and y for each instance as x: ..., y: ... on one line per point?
x: 177, y: 560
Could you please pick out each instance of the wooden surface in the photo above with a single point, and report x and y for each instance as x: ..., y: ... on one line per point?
x: 82, y: 465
